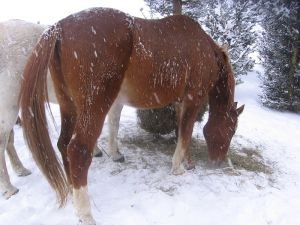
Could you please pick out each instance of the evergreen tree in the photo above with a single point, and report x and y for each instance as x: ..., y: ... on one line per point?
x: 230, y: 23
x: 280, y: 54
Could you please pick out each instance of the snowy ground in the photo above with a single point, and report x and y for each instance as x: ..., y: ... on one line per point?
x: 261, y: 189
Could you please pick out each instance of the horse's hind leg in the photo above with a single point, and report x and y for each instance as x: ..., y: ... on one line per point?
x: 114, y: 121
x: 80, y: 152
x: 68, y: 118
x: 17, y: 165
x: 6, y: 188
x: 187, y: 114
x: 67, y: 111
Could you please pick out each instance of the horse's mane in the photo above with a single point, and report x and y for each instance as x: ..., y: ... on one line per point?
x: 223, y: 91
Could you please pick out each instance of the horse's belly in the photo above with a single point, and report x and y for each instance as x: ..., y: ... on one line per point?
x: 144, y: 96
x: 153, y: 81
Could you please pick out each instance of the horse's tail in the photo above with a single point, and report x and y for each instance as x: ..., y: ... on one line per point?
x: 32, y: 99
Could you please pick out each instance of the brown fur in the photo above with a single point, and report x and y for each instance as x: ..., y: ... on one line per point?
x: 99, y: 55
x: 35, y: 122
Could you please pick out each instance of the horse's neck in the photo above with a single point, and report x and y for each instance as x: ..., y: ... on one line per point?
x: 221, y: 97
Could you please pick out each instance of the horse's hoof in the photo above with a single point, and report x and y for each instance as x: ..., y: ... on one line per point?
x: 12, y: 191
x: 120, y: 158
x: 189, y: 165
x: 23, y: 172
x: 87, y: 220
x: 179, y: 170
x: 97, y: 152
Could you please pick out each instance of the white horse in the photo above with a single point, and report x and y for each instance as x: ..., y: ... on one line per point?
x: 17, y: 39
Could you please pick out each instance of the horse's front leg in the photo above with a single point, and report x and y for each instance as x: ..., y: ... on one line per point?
x: 17, y: 165
x: 187, y: 113
x: 114, y: 121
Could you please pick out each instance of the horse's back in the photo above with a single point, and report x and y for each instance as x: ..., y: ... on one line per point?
x: 17, y: 39
x: 19, y: 35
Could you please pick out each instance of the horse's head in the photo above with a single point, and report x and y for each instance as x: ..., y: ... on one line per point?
x: 219, y: 131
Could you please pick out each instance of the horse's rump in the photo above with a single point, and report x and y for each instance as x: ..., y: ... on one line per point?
x: 100, y: 46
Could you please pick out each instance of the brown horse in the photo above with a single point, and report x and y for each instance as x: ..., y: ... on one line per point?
x: 98, y: 56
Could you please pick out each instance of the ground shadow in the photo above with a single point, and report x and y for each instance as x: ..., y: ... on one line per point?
x: 249, y: 159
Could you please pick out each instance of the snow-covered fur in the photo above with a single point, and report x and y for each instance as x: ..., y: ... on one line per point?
x: 17, y: 39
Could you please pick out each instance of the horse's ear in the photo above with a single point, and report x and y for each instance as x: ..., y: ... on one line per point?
x: 240, y: 110
x: 235, y: 105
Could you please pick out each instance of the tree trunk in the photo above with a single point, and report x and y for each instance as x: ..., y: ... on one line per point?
x: 291, y: 78
x: 177, y: 7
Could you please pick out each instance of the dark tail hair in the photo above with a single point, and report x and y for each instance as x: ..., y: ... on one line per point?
x: 32, y: 99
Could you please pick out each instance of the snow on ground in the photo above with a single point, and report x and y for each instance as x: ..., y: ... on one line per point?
x: 142, y: 191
